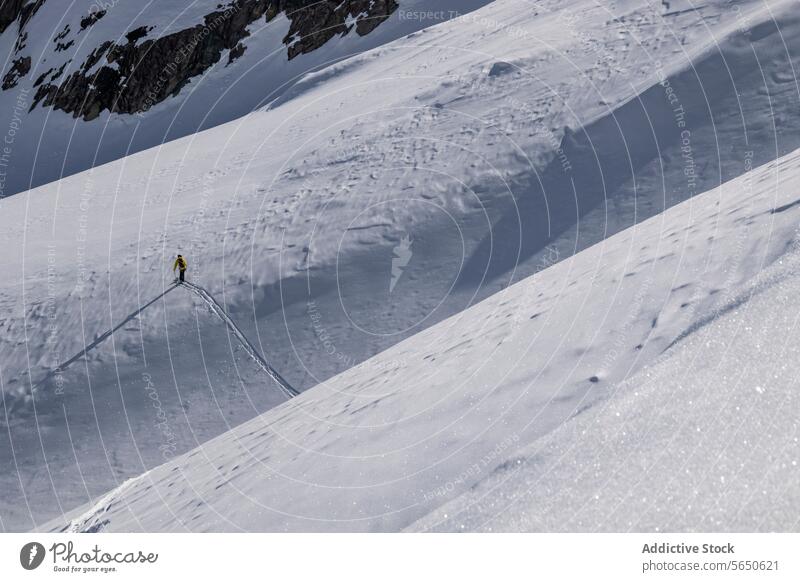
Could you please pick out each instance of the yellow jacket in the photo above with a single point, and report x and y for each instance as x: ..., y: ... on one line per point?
x: 180, y: 263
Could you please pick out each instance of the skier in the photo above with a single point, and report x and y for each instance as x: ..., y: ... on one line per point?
x: 180, y: 263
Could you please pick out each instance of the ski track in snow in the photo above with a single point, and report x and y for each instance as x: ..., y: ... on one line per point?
x: 215, y: 307
x: 251, y: 350
x: 705, y: 436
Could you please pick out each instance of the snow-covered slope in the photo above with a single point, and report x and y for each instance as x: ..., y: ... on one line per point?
x: 101, y: 80
x: 705, y: 438
x: 377, y: 197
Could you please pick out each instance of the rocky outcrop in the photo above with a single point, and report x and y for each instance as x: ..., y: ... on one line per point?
x: 92, y: 18
x: 19, y: 68
x: 60, y: 45
x: 143, y: 72
x: 10, y: 11
x: 315, y: 24
x: 236, y: 52
x: 17, y: 10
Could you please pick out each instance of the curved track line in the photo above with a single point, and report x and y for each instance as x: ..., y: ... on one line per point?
x: 207, y: 298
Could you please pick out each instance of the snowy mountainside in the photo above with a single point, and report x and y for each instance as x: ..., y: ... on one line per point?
x: 703, y: 437
x: 102, y: 80
x: 378, y: 196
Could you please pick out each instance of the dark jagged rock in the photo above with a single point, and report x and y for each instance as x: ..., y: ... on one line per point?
x: 52, y: 73
x: 40, y: 79
x: 139, y: 33
x: 96, y: 55
x: 17, y: 10
x: 21, y: 43
x: 19, y: 68
x: 44, y: 90
x: 143, y: 72
x: 10, y: 11
x: 93, y: 17
x: 28, y: 10
x: 236, y: 52
x: 147, y: 72
x: 60, y: 47
x: 314, y: 24
x: 63, y: 34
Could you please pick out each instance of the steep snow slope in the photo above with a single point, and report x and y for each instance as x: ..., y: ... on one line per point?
x: 137, y: 399
x: 377, y: 197
x: 101, y: 80
x: 705, y: 438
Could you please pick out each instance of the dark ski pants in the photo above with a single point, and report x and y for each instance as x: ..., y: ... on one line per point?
x: 183, y: 274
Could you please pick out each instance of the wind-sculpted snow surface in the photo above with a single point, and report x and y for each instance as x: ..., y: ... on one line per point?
x: 376, y: 197
x: 703, y: 438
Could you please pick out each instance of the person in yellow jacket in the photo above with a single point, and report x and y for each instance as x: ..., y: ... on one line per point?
x: 180, y: 263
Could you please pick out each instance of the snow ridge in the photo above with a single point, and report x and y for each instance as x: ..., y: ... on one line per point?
x: 89, y: 521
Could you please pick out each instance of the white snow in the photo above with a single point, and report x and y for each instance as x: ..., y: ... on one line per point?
x: 54, y: 144
x: 705, y: 439
x: 434, y: 151
x: 707, y: 292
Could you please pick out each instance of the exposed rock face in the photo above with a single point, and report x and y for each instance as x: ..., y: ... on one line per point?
x: 62, y: 46
x: 93, y: 17
x: 9, y: 12
x: 17, y: 10
x: 314, y: 25
x: 19, y: 68
x: 236, y: 52
x: 143, y: 72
